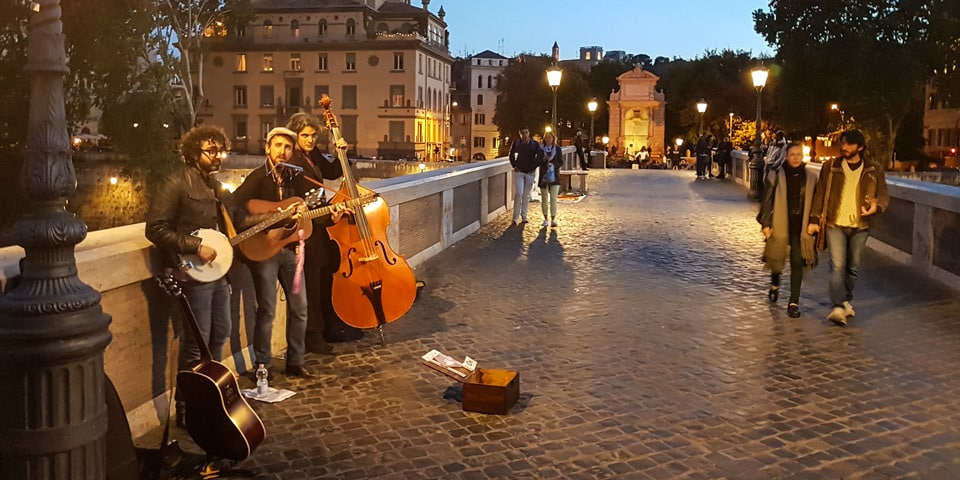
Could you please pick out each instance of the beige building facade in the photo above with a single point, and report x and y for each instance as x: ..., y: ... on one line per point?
x: 637, y: 113
x: 384, y: 63
x: 941, y: 125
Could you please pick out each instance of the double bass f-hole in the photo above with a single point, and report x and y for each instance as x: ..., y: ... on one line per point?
x: 391, y: 260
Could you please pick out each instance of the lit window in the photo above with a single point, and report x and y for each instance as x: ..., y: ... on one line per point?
x: 351, y: 27
x: 295, y: 62
x: 396, y: 95
x: 322, y: 62
x: 295, y: 28
x: 267, y: 62
x: 351, y: 62
x: 267, y: 28
x: 398, y: 61
x: 322, y: 28
x: 241, y: 62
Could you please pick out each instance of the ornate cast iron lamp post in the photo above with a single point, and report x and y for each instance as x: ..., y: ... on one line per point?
x: 554, y: 74
x: 52, y: 328
x: 759, y: 75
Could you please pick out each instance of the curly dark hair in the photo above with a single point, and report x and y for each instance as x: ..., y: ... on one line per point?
x: 300, y: 120
x: 190, y: 143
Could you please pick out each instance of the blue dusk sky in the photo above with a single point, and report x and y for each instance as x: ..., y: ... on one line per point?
x: 679, y: 28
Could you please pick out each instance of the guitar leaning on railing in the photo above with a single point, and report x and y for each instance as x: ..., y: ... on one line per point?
x: 259, y: 246
x: 217, y: 417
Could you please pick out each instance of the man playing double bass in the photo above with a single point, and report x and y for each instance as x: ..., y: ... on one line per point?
x: 274, y: 181
x: 187, y: 200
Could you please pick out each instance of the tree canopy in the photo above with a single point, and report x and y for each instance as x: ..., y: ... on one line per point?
x: 873, y: 57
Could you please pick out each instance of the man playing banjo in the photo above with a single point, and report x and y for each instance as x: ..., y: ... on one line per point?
x: 188, y: 201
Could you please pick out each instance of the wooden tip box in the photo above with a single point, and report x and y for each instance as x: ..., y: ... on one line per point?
x: 486, y: 390
x: 490, y: 390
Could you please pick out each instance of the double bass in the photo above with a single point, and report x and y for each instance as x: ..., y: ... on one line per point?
x: 373, y: 285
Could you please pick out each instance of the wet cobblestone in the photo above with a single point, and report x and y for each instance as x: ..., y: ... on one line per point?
x: 646, y: 349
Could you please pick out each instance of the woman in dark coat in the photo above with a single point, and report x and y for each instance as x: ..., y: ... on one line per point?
x: 783, y: 217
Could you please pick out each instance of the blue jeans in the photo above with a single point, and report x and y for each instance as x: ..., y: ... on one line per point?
x: 846, y: 247
x: 210, y: 303
x: 280, y: 267
x: 523, y: 185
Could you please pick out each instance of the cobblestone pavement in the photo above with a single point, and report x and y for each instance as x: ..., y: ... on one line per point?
x: 646, y: 349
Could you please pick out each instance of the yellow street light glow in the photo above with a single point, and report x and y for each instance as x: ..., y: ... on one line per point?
x: 113, y: 180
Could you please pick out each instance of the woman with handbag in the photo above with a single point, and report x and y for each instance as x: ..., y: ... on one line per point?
x: 549, y: 181
x: 783, y: 217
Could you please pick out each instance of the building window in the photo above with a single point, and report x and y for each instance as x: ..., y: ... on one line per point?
x: 267, y: 28
x: 479, y: 119
x: 241, y: 32
x: 322, y: 62
x: 295, y: 62
x: 419, y: 97
x: 419, y: 63
x: 932, y: 102
x: 351, y: 62
x: 479, y: 142
x: 295, y: 28
x: 479, y: 81
x: 322, y: 27
x: 489, y: 81
x: 398, y: 61
x: 348, y: 128
x: 396, y: 131
x: 396, y: 95
x: 349, y: 97
x: 351, y: 26
x: 240, y: 96
x: 463, y: 119
x: 463, y: 141
x: 320, y: 90
x: 496, y: 142
x: 266, y: 96
x: 479, y: 99
x: 267, y: 62
x: 265, y: 127
x: 240, y: 128
x: 241, y: 62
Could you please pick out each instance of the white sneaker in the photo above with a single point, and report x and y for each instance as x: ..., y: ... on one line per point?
x: 848, y: 310
x: 838, y: 316
x: 553, y: 223
x: 516, y: 221
x: 545, y: 223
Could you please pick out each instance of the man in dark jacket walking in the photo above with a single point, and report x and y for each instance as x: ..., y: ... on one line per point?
x: 525, y: 157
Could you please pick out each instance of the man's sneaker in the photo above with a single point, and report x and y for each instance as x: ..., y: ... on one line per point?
x: 516, y: 221
x: 838, y: 316
x: 553, y: 223
x: 848, y: 310
x: 545, y: 223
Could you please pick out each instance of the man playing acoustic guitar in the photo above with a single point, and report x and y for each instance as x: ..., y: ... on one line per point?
x: 188, y: 200
x: 255, y: 199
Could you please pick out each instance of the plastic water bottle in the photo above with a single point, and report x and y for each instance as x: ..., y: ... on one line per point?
x: 262, y: 386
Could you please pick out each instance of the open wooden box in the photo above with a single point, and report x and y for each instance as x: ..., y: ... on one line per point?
x: 485, y: 390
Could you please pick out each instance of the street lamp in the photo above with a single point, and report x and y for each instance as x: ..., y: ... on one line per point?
x: 554, y: 74
x: 731, y: 125
x: 836, y: 108
x: 701, y: 107
x: 759, y: 75
x: 592, y: 106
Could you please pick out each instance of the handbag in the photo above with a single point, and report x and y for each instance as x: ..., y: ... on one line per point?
x: 551, y: 175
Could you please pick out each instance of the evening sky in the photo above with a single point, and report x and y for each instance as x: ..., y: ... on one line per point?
x: 678, y: 28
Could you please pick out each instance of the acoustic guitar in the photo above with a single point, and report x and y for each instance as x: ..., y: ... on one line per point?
x: 260, y: 244
x: 218, y: 418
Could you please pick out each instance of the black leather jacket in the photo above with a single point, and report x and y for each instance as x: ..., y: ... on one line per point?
x: 184, y: 202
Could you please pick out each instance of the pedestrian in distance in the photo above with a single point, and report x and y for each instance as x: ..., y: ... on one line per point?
x: 851, y: 189
x: 703, y: 150
x: 784, y: 214
x: 525, y: 156
x: 578, y: 144
x: 549, y: 180
x: 724, y: 157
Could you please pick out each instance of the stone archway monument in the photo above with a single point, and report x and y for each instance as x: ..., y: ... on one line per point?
x: 636, y: 113
x: 52, y: 328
